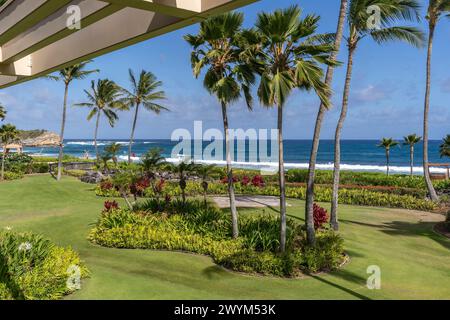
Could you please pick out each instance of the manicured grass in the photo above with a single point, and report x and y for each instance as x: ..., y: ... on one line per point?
x: 414, y: 261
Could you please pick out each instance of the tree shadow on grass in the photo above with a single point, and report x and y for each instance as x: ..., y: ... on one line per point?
x: 363, y: 224
x: 424, y: 229
x: 347, y: 290
x: 215, y: 272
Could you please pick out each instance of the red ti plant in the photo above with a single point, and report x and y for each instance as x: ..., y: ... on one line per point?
x: 110, y: 206
x: 258, y: 181
x: 320, y: 216
x: 245, y: 181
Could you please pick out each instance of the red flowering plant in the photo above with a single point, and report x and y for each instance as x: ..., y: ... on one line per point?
x: 225, y: 180
x: 320, y: 216
x: 110, y: 206
x: 106, y: 185
x: 245, y: 181
x: 258, y: 181
x: 138, y: 188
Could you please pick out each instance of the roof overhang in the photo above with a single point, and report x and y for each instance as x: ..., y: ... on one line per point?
x: 38, y: 37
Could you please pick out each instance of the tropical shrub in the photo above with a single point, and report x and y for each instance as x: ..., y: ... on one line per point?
x: 33, y: 268
x: 207, y: 230
x: 13, y: 175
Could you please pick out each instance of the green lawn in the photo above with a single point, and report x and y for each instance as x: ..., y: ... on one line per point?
x: 414, y: 261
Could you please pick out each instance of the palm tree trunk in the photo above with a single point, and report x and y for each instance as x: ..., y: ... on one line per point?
x: 3, y: 163
x: 234, y: 213
x: 387, y: 161
x: 411, y: 159
x: 337, y: 141
x: 426, y: 172
x: 96, y: 134
x: 320, y: 116
x: 132, y: 132
x: 63, y: 126
x: 282, y: 182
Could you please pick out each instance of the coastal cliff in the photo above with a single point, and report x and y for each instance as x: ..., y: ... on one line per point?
x: 39, y: 138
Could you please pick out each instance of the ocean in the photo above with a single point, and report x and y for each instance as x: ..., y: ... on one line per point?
x: 356, y: 155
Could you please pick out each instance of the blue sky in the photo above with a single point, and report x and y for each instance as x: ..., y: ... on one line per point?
x: 386, y: 100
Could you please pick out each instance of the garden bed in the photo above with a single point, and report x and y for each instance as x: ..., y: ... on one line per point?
x: 191, y: 227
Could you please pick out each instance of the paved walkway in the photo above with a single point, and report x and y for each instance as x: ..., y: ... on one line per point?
x: 248, y: 201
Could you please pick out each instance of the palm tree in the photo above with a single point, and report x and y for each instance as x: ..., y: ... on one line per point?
x: 2, y: 113
x: 113, y: 150
x: 309, y: 206
x: 8, y: 134
x: 67, y: 75
x: 104, y: 98
x: 291, y: 54
x: 216, y: 48
x: 436, y: 9
x: 391, y: 11
x: 444, y: 148
x: 183, y: 169
x: 152, y: 161
x: 145, y: 91
x: 411, y: 141
x: 387, y: 144
x: 205, y: 172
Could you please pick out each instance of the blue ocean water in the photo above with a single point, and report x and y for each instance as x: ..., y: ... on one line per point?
x: 361, y: 155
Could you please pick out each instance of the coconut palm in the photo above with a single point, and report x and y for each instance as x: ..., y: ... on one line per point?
x: 291, y: 57
x: 104, y: 98
x: 436, y: 9
x: 67, y: 75
x: 411, y: 141
x: 216, y: 49
x: 144, y: 91
x: 391, y: 13
x: 205, y: 172
x: 113, y: 150
x: 387, y: 144
x: 321, y: 113
x: 2, y: 113
x: 8, y: 134
x: 444, y: 148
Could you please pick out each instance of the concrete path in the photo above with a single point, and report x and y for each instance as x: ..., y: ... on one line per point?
x: 248, y: 201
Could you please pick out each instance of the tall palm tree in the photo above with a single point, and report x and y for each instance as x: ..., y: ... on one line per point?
x: 144, y: 91
x: 444, y: 148
x: 436, y: 9
x: 216, y: 49
x: 67, y: 75
x: 104, y: 98
x: 8, y: 134
x: 411, y: 141
x: 387, y: 144
x: 321, y: 114
x: 2, y: 113
x: 391, y: 12
x: 113, y: 150
x: 291, y: 54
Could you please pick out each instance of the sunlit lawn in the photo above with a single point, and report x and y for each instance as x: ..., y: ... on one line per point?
x: 414, y: 261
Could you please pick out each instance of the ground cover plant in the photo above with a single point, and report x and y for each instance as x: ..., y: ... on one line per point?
x: 34, y: 268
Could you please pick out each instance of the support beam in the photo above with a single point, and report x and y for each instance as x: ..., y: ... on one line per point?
x: 22, y: 15
x: 175, y: 8
x: 54, y: 28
